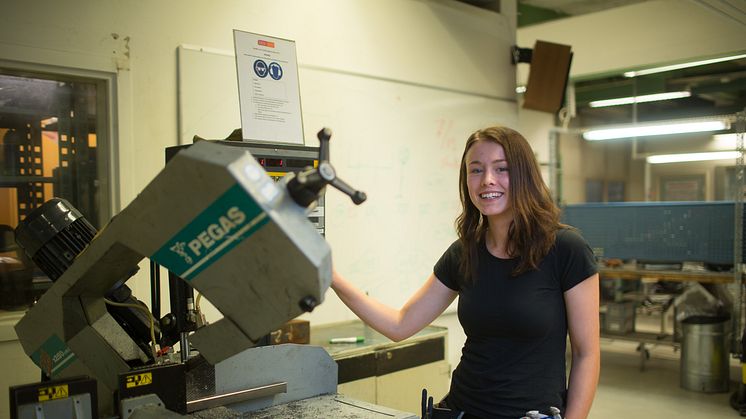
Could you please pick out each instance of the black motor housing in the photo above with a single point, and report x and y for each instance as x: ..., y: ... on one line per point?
x: 53, y: 235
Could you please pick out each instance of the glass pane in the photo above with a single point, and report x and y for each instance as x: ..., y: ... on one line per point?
x: 48, y: 148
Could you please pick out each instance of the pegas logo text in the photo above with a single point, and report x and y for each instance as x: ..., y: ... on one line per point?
x: 207, y: 238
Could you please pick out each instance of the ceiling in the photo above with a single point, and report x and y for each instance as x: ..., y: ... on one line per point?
x: 578, y: 7
x: 536, y: 11
x: 716, y: 89
x: 531, y: 12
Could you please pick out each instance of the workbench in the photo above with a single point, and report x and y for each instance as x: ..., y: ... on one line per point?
x: 387, y: 373
x: 661, y: 337
x: 706, y: 277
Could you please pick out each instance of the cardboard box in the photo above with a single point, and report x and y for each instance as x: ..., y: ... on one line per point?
x: 294, y: 331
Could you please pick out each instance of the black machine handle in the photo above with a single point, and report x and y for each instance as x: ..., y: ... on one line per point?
x: 306, y: 186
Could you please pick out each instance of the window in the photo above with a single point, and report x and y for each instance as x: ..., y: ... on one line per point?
x: 53, y: 143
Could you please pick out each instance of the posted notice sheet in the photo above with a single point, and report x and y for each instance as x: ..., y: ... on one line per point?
x: 268, y: 88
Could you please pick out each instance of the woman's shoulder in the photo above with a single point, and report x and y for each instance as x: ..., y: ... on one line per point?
x: 456, y: 245
x: 455, y: 249
x: 452, y: 256
x: 568, y: 236
x: 446, y: 269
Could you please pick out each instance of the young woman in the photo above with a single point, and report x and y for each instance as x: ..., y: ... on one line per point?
x: 524, y: 282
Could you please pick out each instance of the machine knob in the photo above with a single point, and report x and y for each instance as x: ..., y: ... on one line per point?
x: 305, y: 187
x: 308, y: 303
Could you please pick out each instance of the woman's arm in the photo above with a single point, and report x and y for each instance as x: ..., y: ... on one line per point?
x: 582, y: 319
x: 422, y: 308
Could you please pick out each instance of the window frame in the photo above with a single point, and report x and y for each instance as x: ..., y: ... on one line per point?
x: 107, y: 164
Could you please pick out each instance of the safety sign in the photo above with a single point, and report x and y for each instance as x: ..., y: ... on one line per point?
x: 268, y: 89
x: 260, y: 68
x: 275, y: 71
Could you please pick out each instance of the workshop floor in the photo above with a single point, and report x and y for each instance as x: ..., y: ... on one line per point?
x: 625, y: 391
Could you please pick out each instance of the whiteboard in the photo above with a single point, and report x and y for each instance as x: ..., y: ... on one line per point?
x: 207, y: 93
x: 400, y: 143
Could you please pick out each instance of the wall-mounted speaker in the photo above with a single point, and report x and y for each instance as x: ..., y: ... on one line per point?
x: 547, y: 77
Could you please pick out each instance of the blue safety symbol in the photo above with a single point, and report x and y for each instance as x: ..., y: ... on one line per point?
x: 275, y: 71
x: 260, y: 68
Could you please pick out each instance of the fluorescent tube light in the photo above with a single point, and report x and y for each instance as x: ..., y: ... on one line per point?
x: 724, y: 141
x: 725, y: 137
x: 687, y: 157
x: 638, y: 99
x: 649, y: 130
x: 683, y: 65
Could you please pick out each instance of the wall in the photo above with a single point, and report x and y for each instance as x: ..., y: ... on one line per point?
x: 443, y: 44
x: 623, y: 160
x: 640, y: 35
x: 23, y: 370
x: 440, y: 45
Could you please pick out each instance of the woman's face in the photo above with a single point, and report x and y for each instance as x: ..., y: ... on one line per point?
x: 488, y: 179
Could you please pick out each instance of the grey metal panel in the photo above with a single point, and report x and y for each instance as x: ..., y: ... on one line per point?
x: 231, y: 340
x: 78, y: 406
x: 331, y: 406
x: 320, y: 407
x: 113, y: 333
x: 308, y: 370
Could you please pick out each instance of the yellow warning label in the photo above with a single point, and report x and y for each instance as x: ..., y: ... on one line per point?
x: 277, y: 175
x: 137, y: 380
x: 53, y: 392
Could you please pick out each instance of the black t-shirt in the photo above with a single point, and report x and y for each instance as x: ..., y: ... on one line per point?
x: 513, y: 359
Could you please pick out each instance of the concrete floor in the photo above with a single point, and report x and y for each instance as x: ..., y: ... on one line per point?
x: 625, y: 391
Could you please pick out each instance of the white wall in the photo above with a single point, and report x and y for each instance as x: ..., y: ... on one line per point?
x: 445, y: 44
x: 410, y: 40
x: 17, y: 367
x: 637, y: 36
x: 441, y: 43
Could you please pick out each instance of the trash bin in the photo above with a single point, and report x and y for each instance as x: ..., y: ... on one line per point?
x: 705, y: 355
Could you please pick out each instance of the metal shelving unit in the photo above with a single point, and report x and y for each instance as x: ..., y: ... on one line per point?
x: 738, y: 265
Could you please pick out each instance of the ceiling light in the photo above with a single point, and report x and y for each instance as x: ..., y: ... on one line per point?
x: 687, y: 157
x: 724, y: 141
x: 638, y: 99
x: 683, y: 65
x: 725, y: 137
x: 727, y: 141
x: 649, y: 130
x: 520, y: 89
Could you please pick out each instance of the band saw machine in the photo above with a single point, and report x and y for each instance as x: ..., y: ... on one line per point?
x: 214, y: 218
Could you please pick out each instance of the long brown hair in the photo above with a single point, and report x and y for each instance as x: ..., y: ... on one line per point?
x: 535, y: 216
